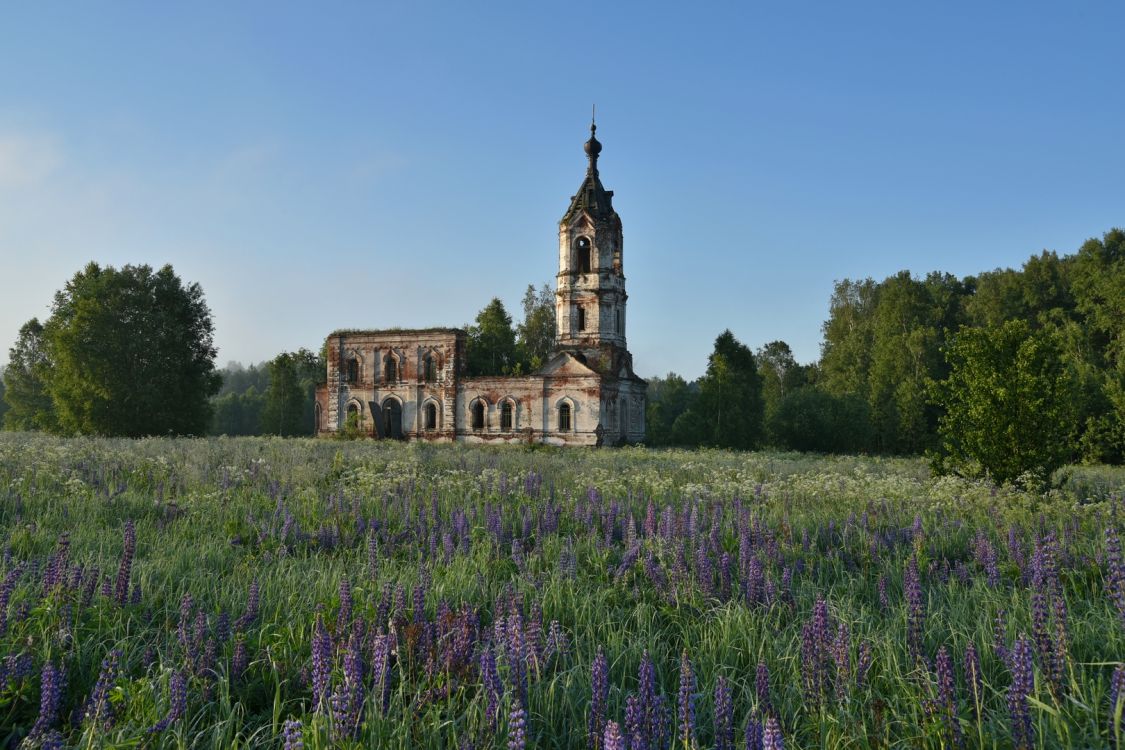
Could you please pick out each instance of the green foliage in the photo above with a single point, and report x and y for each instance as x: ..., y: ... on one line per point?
x: 729, y: 411
x: 668, y: 399
x: 1008, y: 403
x: 238, y: 413
x: 29, y: 405
x: 3, y: 403
x: 535, y: 335
x: 131, y: 353
x: 810, y: 419
x: 491, y: 344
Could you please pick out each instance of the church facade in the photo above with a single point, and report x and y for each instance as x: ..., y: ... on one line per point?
x: 411, y: 384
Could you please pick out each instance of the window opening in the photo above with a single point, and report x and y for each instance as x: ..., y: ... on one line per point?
x: 431, y: 417
x: 581, y: 319
x: 506, y: 416
x: 582, y: 245
x: 428, y: 369
x: 478, y: 415
x: 391, y: 370
x: 564, y: 418
x: 392, y: 418
x: 353, y: 370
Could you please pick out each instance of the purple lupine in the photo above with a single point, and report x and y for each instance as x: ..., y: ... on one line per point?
x: 557, y: 643
x: 973, y: 677
x: 253, y: 604
x: 347, y: 701
x: 51, y: 686
x: 771, y: 735
x: 842, y: 655
x: 599, y: 697
x: 177, y: 702
x: 292, y: 733
x: 812, y: 673
x: 881, y: 587
x: 985, y: 555
x: 125, y: 569
x: 344, y: 616
x: 753, y: 734
x: 863, y: 664
x: 53, y: 576
x: 239, y: 660
x: 1060, y: 653
x: 372, y: 556
x: 686, y: 702
x: 98, y: 710
x: 6, y: 589
x: 1117, y: 706
x: 613, y: 739
x: 381, y: 672
x: 636, y: 723
x: 946, y: 699
x: 1022, y: 685
x: 915, y: 607
x: 187, y: 607
x: 724, y: 716
x: 493, y: 688
x: 321, y: 663
x: 762, y: 686
x: 1041, y: 632
x: 999, y: 638
x: 1115, y: 572
x: 517, y: 728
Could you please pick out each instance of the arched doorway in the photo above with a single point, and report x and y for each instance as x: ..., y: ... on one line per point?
x: 392, y: 418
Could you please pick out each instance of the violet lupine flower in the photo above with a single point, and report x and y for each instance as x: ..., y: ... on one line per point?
x: 177, y: 699
x: 381, y: 672
x: 292, y: 733
x: 973, y: 676
x: 98, y: 709
x: 1022, y: 685
x: 985, y: 554
x: 1115, y: 572
x: 51, y: 686
x: 686, y: 702
x: 811, y: 665
x: 517, y: 728
x: 125, y: 569
x: 493, y: 688
x: 53, y: 576
x: 636, y: 726
x: 350, y: 703
x: 947, y: 702
x: 915, y: 607
x: 753, y: 734
x: 999, y: 636
x: 881, y: 587
x: 557, y: 644
x: 1040, y: 630
x: 1117, y: 706
x: 771, y: 735
x: 187, y: 607
x: 372, y: 556
x: 842, y: 655
x: 863, y: 664
x: 321, y: 662
x: 599, y: 697
x: 724, y: 716
x: 762, y: 686
x: 239, y: 659
x: 6, y: 589
x: 344, y: 616
x: 613, y: 739
x: 253, y: 604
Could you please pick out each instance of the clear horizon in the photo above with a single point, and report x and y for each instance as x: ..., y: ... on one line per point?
x: 387, y: 166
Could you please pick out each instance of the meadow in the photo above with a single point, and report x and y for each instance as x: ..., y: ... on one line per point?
x: 295, y: 593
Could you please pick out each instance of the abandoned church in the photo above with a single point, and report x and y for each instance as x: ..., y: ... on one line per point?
x: 411, y: 384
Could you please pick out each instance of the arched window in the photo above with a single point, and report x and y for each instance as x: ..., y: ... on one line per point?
x: 316, y: 419
x: 564, y: 418
x: 429, y: 370
x: 506, y: 416
x: 392, y: 418
x: 582, y: 255
x: 390, y: 370
x: 431, y: 417
x: 353, y: 370
x: 582, y: 319
x: 478, y: 415
x: 353, y: 417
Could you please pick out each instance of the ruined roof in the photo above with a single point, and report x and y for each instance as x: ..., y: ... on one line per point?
x: 393, y: 331
x: 592, y: 197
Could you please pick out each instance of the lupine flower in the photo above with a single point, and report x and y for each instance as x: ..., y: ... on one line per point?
x: 724, y: 716
x: 517, y: 728
x: 881, y: 586
x: 252, y: 605
x: 1040, y: 629
x: 124, y: 570
x: 771, y: 735
x: 762, y: 686
x: 372, y: 556
x: 321, y: 662
x: 599, y: 696
x: 614, y: 740
x: 973, y: 676
x: 636, y: 723
x: 1117, y: 706
x: 347, y: 701
x: 686, y: 702
x: 1060, y: 653
x: 239, y: 659
x: 1021, y: 687
x: 381, y: 672
x: 56, y: 568
x: 863, y: 664
x: 842, y: 655
x: 946, y: 699
x: 177, y: 699
x: 753, y: 734
x: 51, y: 686
x: 493, y: 688
x: 344, y: 617
x: 292, y: 732
x: 98, y: 709
x: 1115, y: 572
x: 6, y: 589
x: 915, y: 607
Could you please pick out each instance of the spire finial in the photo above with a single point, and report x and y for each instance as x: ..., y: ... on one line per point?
x: 593, y: 118
x: 593, y: 148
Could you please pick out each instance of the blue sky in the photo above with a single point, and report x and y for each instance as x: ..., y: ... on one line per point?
x: 363, y: 165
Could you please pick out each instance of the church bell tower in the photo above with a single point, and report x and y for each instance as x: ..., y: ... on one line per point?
x: 590, y: 297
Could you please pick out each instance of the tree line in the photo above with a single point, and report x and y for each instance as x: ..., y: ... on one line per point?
x: 1026, y: 363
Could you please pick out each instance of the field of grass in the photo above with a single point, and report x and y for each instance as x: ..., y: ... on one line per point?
x: 270, y: 593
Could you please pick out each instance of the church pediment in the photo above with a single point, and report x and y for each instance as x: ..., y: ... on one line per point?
x: 565, y: 364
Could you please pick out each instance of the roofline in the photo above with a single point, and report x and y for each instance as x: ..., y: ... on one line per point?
x: 393, y: 331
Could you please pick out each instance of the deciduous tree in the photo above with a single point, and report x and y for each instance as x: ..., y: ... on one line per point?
x: 25, y: 382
